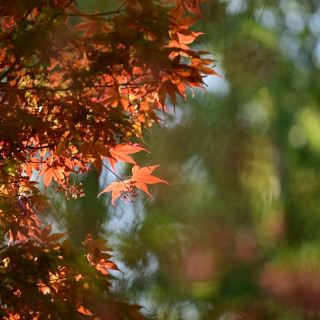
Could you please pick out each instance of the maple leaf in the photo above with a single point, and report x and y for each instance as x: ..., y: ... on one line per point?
x: 84, y: 311
x: 49, y: 173
x: 141, y: 176
x: 187, y: 37
x: 117, y: 188
x: 104, y: 265
x: 12, y: 316
x: 121, y: 153
x: 47, y: 236
x: 44, y: 289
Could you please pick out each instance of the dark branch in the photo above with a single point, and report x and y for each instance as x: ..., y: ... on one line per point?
x: 127, y: 84
x: 92, y: 15
x: 42, y: 147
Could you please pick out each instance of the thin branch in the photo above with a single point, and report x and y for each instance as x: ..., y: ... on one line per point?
x: 117, y: 176
x: 67, y: 4
x: 91, y: 15
x: 9, y: 69
x: 42, y: 147
x: 128, y: 85
x: 17, y: 150
x: 121, y: 180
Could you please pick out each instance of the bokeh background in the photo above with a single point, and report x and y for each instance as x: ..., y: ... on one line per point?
x: 236, y: 235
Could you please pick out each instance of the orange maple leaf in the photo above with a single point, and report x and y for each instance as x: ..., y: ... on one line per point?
x: 43, y: 288
x: 104, y: 265
x: 142, y: 176
x: 187, y: 36
x: 84, y: 311
x: 121, y: 153
x: 49, y: 173
x: 117, y: 188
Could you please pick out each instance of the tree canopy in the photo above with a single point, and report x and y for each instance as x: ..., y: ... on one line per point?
x: 236, y: 233
x: 78, y: 88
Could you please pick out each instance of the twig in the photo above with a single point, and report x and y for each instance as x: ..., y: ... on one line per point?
x: 117, y: 176
x: 89, y: 15
x: 15, y: 89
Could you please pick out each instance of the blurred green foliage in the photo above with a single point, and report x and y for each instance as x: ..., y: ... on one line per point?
x: 236, y: 235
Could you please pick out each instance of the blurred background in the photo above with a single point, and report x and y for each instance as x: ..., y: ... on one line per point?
x: 236, y: 235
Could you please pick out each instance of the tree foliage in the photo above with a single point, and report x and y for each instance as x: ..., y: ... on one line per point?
x: 77, y: 89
